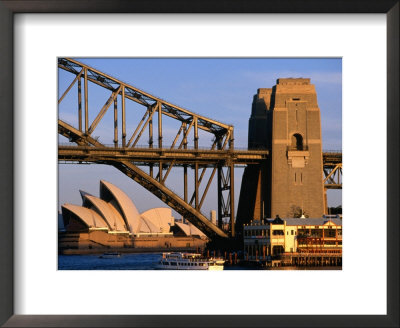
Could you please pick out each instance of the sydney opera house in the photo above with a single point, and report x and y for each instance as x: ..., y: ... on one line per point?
x: 113, y: 221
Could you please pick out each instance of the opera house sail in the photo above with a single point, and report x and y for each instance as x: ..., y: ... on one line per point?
x: 113, y: 221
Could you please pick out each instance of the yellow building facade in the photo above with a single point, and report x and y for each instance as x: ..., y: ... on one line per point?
x: 272, y: 237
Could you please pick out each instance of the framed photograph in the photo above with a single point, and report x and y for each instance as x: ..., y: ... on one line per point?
x: 143, y: 211
x: 43, y: 40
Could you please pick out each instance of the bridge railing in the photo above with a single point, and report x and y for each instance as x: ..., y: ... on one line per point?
x: 338, y: 151
x: 143, y: 146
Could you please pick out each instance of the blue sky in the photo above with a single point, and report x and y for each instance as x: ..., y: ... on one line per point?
x: 221, y: 89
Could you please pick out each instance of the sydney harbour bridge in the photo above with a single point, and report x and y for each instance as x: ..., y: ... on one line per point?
x: 150, y: 166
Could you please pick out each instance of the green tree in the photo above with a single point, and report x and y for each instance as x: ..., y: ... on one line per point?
x: 297, y: 212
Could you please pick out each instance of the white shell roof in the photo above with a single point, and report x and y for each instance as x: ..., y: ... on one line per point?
x: 83, y: 194
x: 129, y: 210
x: 88, y: 216
x: 108, y: 212
x: 114, y: 210
x: 160, y: 217
x: 148, y: 226
x: 189, y: 229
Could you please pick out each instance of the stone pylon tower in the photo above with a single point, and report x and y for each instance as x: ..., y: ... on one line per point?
x: 286, y: 121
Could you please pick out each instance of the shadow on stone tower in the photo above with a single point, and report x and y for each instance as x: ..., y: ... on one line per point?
x: 285, y: 120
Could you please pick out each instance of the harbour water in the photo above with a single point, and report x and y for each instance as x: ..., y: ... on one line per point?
x: 146, y: 261
x: 139, y: 261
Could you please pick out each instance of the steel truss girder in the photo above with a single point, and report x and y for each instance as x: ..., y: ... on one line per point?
x: 74, y: 135
x: 331, y: 158
x: 226, y: 196
x: 141, y: 97
x: 155, y: 155
x: 333, y: 176
x: 150, y: 156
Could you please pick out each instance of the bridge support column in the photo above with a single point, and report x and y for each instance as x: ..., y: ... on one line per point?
x: 232, y: 186
x: 80, y: 104
x: 123, y: 116
x: 196, y: 186
x: 220, y: 205
x: 86, y: 103
x: 185, y: 184
x: 115, y: 122
x: 232, y: 199
x: 151, y: 144
x: 185, y: 188
x: 159, y: 126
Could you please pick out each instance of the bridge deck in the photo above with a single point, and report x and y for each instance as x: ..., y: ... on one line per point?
x: 148, y: 156
x: 155, y: 155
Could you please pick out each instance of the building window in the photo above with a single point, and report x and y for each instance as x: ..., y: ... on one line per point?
x: 297, y: 142
x: 303, y: 232
x: 330, y: 234
x: 292, y: 232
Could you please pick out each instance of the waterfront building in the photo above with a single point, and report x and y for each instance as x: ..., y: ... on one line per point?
x: 112, y: 220
x: 272, y: 237
x: 115, y: 213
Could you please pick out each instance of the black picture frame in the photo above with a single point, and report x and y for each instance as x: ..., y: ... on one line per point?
x: 7, y: 172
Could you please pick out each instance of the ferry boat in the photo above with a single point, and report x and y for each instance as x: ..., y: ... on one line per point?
x: 110, y: 255
x: 189, y: 261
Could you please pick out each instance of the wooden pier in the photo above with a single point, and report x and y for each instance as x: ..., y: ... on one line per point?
x: 311, y: 259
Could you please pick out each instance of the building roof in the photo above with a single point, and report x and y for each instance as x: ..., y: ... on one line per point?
x: 148, y: 226
x: 160, y: 217
x: 83, y: 194
x: 311, y: 221
x: 88, y: 217
x: 190, y: 229
x: 115, y: 211
x: 297, y: 221
x: 125, y: 205
x: 107, y: 211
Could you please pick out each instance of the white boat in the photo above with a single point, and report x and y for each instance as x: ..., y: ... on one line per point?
x: 189, y: 261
